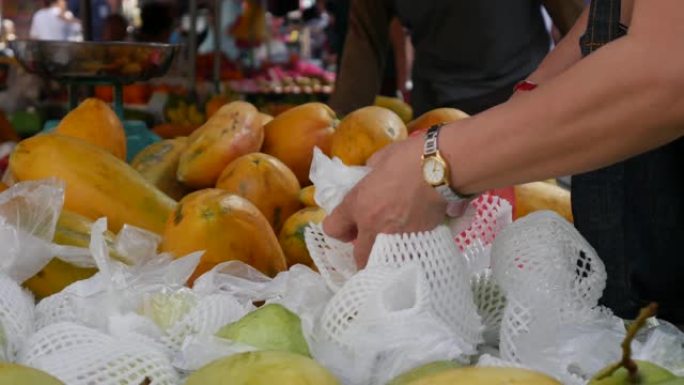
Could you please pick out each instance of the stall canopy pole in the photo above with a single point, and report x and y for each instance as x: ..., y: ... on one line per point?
x: 192, y: 46
x: 218, y: 5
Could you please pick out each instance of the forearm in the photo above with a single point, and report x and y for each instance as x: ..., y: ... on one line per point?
x: 564, y: 55
x: 584, y: 119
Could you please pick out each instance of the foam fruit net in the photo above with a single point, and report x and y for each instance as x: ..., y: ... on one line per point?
x: 479, y: 289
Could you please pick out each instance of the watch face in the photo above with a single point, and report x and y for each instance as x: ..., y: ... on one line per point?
x: 433, y: 171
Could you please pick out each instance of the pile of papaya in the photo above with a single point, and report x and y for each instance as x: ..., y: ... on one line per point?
x: 236, y: 187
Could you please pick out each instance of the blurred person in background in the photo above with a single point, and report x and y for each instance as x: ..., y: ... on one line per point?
x: 55, y: 22
x: 115, y: 28
x: 158, y: 19
x: 99, y: 10
x: 468, y: 54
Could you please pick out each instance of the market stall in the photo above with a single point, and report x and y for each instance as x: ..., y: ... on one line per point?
x: 168, y: 231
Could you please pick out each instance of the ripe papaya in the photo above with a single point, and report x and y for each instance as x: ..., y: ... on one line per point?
x: 158, y: 163
x: 530, y: 197
x: 365, y: 131
x: 72, y: 230
x: 291, y: 236
x: 436, y: 116
x: 266, y: 182
x: 95, y: 122
x: 234, y: 130
x: 227, y: 227
x: 97, y: 183
x: 292, y: 136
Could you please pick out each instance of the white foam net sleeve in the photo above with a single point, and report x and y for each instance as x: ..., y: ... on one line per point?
x: 410, y: 280
x: 16, y: 317
x: 334, y: 259
x: 484, y: 218
x: 78, y: 355
x: 553, y: 279
x: 490, y: 301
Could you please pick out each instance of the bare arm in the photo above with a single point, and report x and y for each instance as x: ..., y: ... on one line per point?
x: 564, y: 13
x: 363, y: 59
x: 621, y: 101
x: 566, y: 53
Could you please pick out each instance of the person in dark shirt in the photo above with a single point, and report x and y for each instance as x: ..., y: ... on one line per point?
x: 468, y: 54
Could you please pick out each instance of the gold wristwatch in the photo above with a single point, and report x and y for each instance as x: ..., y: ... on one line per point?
x: 436, y: 169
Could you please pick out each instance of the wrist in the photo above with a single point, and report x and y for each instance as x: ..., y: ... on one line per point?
x: 437, y: 171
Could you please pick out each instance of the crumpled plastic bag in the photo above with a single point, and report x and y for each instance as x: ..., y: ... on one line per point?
x: 661, y: 343
x: 299, y: 289
x: 28, y: 218
x: 116, y: 289
x: 333, y: 179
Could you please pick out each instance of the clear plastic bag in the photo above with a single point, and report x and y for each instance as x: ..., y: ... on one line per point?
x: 661, y: 343
x: 234, y: 287
x: 116, y: 289
x: 28, y: 217
x: 333, y: 179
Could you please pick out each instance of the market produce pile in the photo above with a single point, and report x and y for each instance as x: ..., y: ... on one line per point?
x: 204, y: 262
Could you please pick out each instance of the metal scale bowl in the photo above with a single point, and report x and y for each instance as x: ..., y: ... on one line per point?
x: 96, y: 63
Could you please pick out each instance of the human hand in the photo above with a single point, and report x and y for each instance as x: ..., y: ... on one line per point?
x: 392, y: 198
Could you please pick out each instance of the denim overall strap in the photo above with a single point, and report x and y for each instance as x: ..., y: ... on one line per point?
x: 632, y: 212
x: 598, y: 197
x: 604, y: 25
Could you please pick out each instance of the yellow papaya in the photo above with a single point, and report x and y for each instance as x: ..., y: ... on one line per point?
x: 364, y: 132
x: 291, y: 236
x: 95, y: 122
x: 306, y: 196
x: 397, y: 105
x: 97, y: 183
x: 530, y: 197
x: 292, y: 136
x: 234, y: 130
x: 158, y: 163
x: 266, y: 182
x: 436, y: 116
x: 227, y: 227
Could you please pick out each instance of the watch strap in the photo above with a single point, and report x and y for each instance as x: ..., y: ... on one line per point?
x: 430, y: 148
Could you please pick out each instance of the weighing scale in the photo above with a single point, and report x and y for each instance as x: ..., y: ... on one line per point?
x: 99, y: 63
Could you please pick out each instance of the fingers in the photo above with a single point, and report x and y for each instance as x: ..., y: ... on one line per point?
x: 340, y: 224
x: 362, y: 247
x: 376, y: 158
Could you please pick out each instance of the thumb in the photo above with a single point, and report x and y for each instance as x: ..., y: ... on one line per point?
x: 340, y: 224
